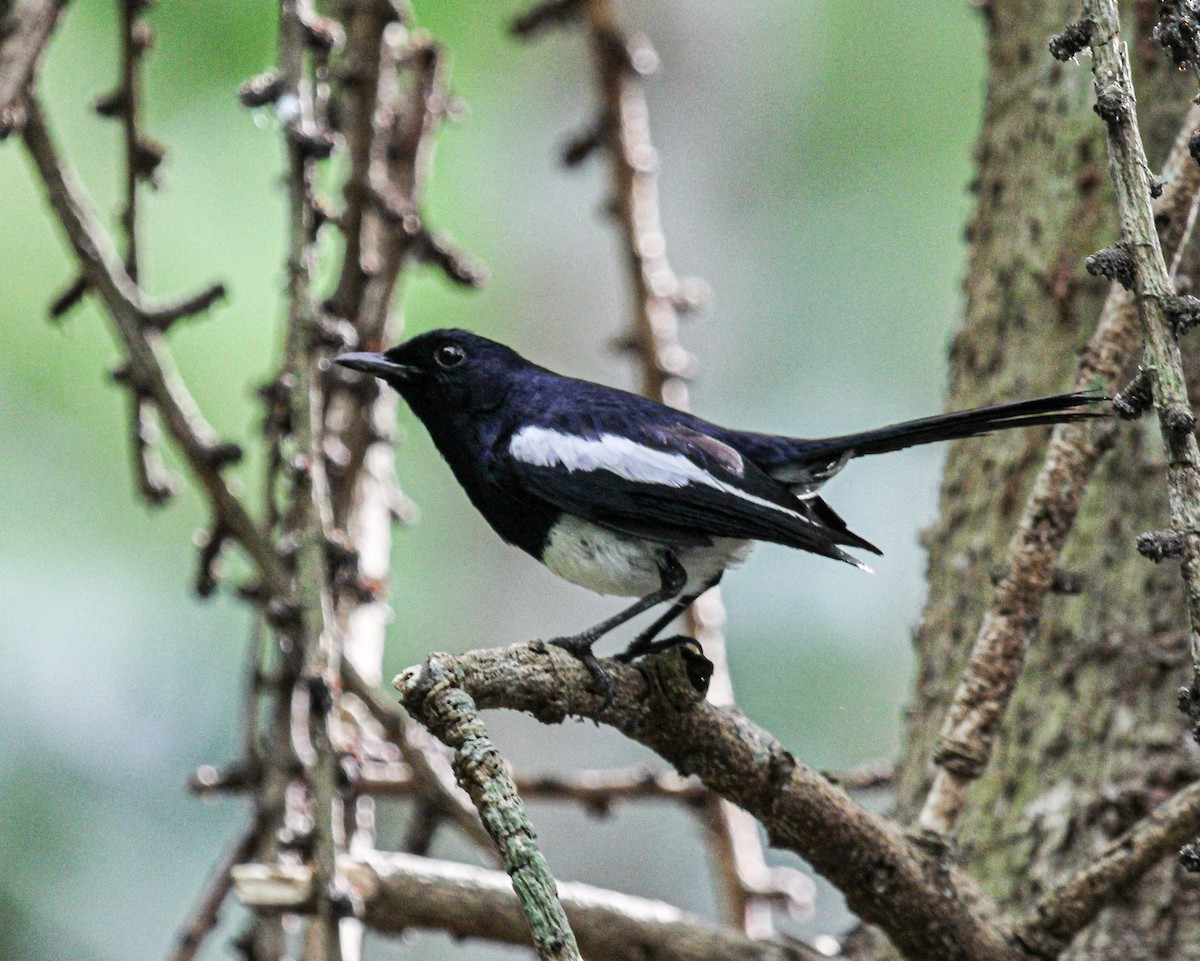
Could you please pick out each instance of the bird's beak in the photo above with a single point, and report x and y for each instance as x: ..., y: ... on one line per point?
x: 370, y: 363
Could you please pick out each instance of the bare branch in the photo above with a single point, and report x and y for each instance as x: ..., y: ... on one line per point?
x: 150, y: 361
x: 301, y: 68
x: 622, y: 129
x: 400, y: 891
x: 929, y: 910
x: 164, y: 315
x: 24, y: 32
x: 596, y: 791
x: 361, y: 98
x: 547, y: 14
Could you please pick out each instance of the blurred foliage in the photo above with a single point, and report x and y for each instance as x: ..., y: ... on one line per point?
x: 813, y: 172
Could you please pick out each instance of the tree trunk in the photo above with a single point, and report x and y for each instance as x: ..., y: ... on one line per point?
x: 1092, y: 739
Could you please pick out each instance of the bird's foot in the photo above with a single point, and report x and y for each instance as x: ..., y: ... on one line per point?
x: 699, y: 668
x: 640, y: 648
x: 580, y: 646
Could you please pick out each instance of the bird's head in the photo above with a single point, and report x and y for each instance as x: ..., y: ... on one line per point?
x: 443, y: 372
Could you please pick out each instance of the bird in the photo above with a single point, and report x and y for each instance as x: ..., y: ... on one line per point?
x: 626, y: 496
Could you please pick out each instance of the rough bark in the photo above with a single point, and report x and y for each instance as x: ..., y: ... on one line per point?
x: 1092, y: 739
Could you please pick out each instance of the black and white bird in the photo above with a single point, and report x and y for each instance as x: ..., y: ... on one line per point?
x: 626, y: 496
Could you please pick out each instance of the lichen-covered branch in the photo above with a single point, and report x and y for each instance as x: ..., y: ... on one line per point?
x: 929, y: 910
x: 436, y: 696
x: 1157, y: 301
x: 1153, y: 292
x: 430, y: 780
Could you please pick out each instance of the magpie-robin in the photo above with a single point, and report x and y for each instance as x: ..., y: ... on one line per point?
x: 627, y: 496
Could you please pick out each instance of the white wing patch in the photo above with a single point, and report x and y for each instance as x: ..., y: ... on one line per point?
x: 544, y: 447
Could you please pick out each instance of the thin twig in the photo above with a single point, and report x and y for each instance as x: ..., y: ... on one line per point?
x: 207, y: 912
x: 598, y: 791
x: 930, y: 911
x: 1155, y: 294
x: 998, y: 653
x: 595, y: 791
x: 156, y: 484
x: 435, y: 696
x: 24, y: 32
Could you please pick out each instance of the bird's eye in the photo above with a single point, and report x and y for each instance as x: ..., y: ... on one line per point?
x: 448, y: 355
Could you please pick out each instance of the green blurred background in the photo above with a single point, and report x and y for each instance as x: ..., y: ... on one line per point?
x: 814, y: 163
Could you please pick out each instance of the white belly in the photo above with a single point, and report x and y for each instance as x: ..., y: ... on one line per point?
x: 608, y: 563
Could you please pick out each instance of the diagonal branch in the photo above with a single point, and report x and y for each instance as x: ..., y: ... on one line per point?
x: 150, y: 361
x: 437, y: 697
x: 431, y: 781
x: 1062, y: 912
x: 207, y: 912
x: 24, y: 32
x: 998, y: 653
x: 929, y: 910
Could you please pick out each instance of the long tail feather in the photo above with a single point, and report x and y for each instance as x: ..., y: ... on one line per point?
x: 805, y: 465
x: 1056, y: 409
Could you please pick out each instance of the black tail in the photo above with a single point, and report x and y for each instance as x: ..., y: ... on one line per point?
x: 804, y: 465
x: 1057, y: 409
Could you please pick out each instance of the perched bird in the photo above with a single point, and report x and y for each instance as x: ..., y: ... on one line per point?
x: 626, y: 496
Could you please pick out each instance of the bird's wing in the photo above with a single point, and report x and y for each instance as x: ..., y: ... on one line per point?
x: 672, y: 484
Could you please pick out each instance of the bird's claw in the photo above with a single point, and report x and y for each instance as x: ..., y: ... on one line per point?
x: 645, y: 649
x: 580, y: 647
x: 699, y: 668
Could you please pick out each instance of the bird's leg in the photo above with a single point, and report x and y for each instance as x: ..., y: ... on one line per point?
x: 674, y: 577
x: 644, y: 643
